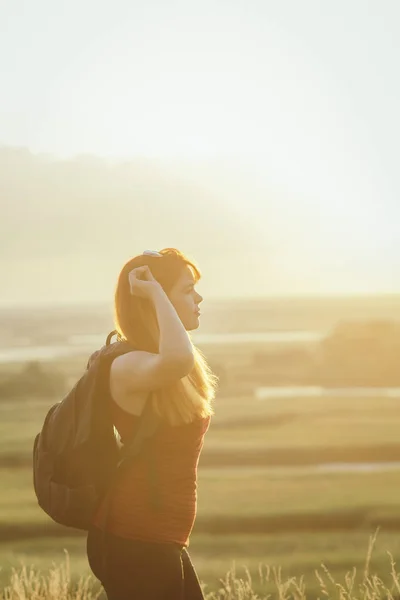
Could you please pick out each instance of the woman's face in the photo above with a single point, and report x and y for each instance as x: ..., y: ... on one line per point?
x: 186, y: 300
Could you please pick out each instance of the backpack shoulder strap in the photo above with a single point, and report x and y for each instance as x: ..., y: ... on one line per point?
x: 92, y: 394
x: 149, y: 423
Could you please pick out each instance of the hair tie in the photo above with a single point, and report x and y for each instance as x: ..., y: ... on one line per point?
x: 152, y: 253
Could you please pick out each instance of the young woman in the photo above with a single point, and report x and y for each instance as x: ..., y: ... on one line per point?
x: 156, y: 305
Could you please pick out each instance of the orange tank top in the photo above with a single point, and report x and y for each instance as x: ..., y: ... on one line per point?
x: 171, y: 480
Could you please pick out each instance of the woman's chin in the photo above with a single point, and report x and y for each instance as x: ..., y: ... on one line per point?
x: 194, y: 324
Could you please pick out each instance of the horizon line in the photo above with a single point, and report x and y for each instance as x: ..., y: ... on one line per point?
x: 214, y: 300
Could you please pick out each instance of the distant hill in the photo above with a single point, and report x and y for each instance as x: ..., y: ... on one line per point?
x: 67, y: 226
x: 86, y: 216
x: 50, y: 200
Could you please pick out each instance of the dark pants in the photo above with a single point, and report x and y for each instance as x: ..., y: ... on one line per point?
x: 143, y: 570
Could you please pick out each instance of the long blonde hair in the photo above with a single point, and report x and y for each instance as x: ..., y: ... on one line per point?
x: 136, y: 322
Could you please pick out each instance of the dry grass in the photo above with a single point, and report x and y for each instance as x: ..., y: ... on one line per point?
x: 29, y: 584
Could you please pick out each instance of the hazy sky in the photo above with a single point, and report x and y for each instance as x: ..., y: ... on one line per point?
x: 306, y: 94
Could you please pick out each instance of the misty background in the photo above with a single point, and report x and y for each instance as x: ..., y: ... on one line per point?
x: 261, y: 138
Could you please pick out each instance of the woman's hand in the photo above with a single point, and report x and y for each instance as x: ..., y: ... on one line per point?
x: 142, y: 283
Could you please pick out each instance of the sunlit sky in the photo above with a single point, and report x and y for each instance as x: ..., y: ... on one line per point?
x: 304, y: 94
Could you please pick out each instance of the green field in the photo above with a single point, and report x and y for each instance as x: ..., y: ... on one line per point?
x: 246, y: 422
x: 261, y: 498
x: 240, y: 496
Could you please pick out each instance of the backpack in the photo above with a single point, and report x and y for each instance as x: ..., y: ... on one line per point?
x: 78, y: 456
